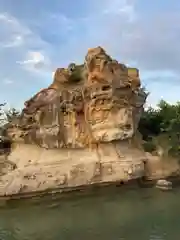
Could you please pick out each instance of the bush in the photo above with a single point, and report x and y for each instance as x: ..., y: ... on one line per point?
x: 162, y: 124
x: 149, y: 147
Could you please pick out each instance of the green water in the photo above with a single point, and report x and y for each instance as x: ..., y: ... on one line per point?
x: 133, y: 214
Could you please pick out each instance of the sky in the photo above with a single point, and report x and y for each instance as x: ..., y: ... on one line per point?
x: 37, y: 36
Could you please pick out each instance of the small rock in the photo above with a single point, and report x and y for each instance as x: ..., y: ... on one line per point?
x: 130, y: 171
x: 164, y: 184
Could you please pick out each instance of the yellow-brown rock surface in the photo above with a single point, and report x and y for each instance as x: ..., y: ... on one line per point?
x: 79, y: 129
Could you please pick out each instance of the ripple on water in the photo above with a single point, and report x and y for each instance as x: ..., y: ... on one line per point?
x: 111, y: 214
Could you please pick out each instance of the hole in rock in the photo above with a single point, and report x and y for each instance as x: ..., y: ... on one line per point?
x: 128, y: 126
x: 5, y: 146
x: 106, y: 88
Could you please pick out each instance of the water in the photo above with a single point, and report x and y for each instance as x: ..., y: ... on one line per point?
x: 133, y: 214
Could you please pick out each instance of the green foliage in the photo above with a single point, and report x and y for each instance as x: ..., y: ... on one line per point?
x: 149, y: 146
x: 165, y: 120
x: 9, y: 115
x: 12, y: 114
x: 150, y: 123
x: 76, y: 72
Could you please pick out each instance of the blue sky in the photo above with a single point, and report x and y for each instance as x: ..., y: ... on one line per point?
x: 38, y: 36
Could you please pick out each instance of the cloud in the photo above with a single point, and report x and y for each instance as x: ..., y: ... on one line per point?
x: 33, y: 58
x: 39, y: 36
x: 150, y: 42
x: 18, y: 40
x: 120, y: 8
x: 18, y: 36
x: 154, y: 43
x: 12, y: 32
x: 7, y: 81
x: 35, y: 62
x: 98, y: 27
x: 18, y: 44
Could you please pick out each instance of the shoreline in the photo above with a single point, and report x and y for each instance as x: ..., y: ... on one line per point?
x: 89, y: 189
x: 51, y: 172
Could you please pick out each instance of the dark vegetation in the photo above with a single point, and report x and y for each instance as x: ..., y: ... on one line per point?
x: 161, y: 127
x: 7, y: 116
x: 76, y: 72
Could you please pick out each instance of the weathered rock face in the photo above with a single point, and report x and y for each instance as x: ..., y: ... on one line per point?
x: 90, y: 110
x: 104, y: 105
x: 110, y: 100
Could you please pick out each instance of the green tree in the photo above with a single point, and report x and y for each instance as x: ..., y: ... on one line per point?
x: 150, y: 123
x: 163, y: 123
x: 171, y: 126
x: 7, y: 115
x: 11, y: 114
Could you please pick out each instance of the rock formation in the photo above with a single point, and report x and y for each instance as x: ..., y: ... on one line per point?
x: 90, y: 113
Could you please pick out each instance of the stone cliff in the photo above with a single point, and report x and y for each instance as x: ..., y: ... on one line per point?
x: 80, y: 130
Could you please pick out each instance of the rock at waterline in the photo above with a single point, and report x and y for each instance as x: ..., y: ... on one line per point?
x: 164, y: 184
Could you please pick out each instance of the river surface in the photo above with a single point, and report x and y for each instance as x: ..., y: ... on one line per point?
x: 108, y: 214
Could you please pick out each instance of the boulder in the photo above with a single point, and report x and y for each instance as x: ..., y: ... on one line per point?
x: 164, y: 184
x: 82, y: 128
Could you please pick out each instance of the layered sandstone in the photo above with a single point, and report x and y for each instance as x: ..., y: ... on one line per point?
x: 80, y: 130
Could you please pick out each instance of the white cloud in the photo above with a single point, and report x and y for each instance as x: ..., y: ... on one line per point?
x: 7, y: 81
x: 22, y: 47
x: 105, y: 24
x: 35, y: 61
x: 33, y: 58
x: 120, y: 7
x: 32, y: 48
x: 12, y: 32
x: 15, y: 42
x: 64, y: 23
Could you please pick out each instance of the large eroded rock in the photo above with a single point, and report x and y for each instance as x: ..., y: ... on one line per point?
x: 81, y: 128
